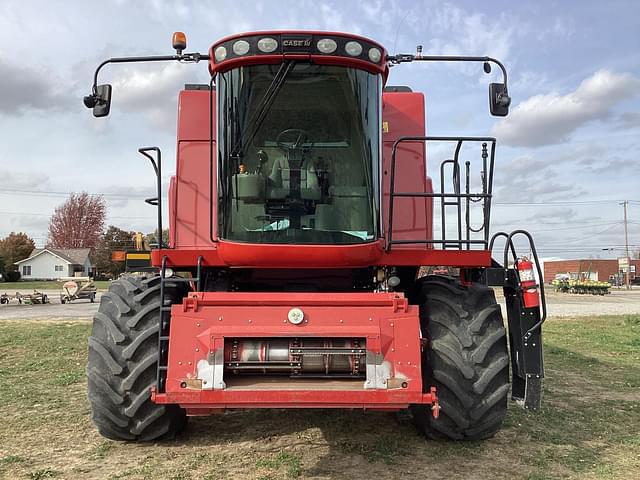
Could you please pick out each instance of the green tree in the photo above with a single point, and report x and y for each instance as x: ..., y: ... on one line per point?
x: 14, y: 247
x: 114, y: 239
x: 2, y: 268
x: 152, y: 238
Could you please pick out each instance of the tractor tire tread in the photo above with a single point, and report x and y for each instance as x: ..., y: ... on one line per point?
x: 123, y: 360
x: 467, y: 359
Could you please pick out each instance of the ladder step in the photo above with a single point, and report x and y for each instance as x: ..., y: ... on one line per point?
x: 178, y: 279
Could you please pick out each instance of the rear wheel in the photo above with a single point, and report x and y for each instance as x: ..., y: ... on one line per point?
x: 466, y: 360
x: 123, y: 359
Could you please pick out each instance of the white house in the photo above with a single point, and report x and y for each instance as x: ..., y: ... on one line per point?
x: 49, y: 263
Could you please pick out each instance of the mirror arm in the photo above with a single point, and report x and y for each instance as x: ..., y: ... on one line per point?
x: 405, y: 58
x: 185, y: 57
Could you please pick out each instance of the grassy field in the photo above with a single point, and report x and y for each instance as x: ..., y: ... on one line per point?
x: 10, y: 287
x: 589, y: 428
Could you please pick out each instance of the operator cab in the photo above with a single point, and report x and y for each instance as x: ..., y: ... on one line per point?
x: 298, y: 144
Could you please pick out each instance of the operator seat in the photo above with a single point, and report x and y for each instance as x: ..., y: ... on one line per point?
x: 279, y: 180
x: 350, y: 207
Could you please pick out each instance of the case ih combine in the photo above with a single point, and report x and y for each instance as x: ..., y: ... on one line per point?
x: 299, y: 217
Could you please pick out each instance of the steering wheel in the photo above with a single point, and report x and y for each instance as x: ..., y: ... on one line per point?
x: 294, y: 139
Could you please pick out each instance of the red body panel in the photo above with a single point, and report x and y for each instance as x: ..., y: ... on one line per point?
x: 323, y: 256
x: 200, y: 325
x: 403, y: 115
x: 193, y: 220
x: 190, y: 203
x: 384, y: 324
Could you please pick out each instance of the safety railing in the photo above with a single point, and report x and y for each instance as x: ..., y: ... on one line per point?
x: 455, y: 191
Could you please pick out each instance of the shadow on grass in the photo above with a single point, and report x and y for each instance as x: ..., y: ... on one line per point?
x: 574, y: 432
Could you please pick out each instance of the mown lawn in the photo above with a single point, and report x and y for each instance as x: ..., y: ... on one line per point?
x: 589, y: 428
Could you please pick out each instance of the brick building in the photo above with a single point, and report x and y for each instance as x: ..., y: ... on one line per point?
x: 593, y: 269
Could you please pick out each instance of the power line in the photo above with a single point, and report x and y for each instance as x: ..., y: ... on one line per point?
x: 47, y: 193
x: 150, y: 217
x: 568, y: 202
x: 141, y: 195
x: 535, y: 230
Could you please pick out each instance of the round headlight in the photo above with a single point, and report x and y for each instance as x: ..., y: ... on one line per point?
x: 267, y: 45
x: 168, y: 272
x: 375, y: 54
x: 220, y: 53
x: 326, y: 45
x: 241, y: 47
x: 353, y: 48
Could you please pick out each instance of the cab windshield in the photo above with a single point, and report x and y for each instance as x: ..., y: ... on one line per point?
x: 299, y: 154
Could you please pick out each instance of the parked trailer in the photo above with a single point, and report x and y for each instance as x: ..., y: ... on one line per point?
x: 76, y: 288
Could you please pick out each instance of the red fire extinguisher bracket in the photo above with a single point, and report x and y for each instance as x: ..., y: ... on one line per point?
x: 530, y: 293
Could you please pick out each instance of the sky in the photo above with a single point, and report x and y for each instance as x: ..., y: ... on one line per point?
x: 567, y: 153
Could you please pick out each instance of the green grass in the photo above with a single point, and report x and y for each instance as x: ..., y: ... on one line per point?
x: 589, y: 426
x: 290, y: 463
x: 30, y: 285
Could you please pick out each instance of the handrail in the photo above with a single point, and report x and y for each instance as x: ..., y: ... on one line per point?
x: 510, y: 247
x: 488, y: 160
x: 157, y: 167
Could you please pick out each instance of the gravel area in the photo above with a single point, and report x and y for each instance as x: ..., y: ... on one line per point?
x: 77, y: 310
x: 619, y: 302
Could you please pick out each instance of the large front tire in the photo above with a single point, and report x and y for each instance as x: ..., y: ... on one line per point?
x: 123, y: 359
x: 466, y: 359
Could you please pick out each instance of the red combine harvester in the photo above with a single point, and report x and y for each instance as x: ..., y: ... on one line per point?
x: 299, y: 217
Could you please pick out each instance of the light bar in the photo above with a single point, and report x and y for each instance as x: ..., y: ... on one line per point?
x: 299, y: 43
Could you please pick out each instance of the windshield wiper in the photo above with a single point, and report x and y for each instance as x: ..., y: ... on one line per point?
x: 255, y: 122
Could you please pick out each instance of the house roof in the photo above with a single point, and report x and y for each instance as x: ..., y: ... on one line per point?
x: 74, y: 256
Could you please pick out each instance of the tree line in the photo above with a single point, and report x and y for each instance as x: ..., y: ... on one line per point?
x: 79, y: 222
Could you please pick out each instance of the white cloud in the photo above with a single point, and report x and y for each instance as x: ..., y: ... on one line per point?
x: 551, y: 118
x: 628, y: 120
x: 28, y: 89
x: 153, y: 90
x: 475, y: 33
x: 17, y: 180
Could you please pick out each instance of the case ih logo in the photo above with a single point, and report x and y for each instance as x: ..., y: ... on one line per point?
x: 296, y: 44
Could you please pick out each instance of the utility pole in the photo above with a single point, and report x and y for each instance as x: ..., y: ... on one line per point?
x: 626, y: 243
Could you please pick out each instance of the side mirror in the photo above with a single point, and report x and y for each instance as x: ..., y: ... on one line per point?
x: 99, y: 101
x: 499, y: 101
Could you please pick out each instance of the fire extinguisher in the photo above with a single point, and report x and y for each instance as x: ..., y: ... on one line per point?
x: 530, y: 294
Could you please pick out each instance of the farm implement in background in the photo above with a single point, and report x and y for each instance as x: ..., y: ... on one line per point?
x: 582, y: 287
x: 35, y: 298
x: 76, y: 288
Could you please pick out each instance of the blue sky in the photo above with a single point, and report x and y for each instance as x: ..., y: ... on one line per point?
x: 567, y: 154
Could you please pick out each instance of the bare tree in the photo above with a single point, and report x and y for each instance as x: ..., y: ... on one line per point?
x: 78, y: 222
